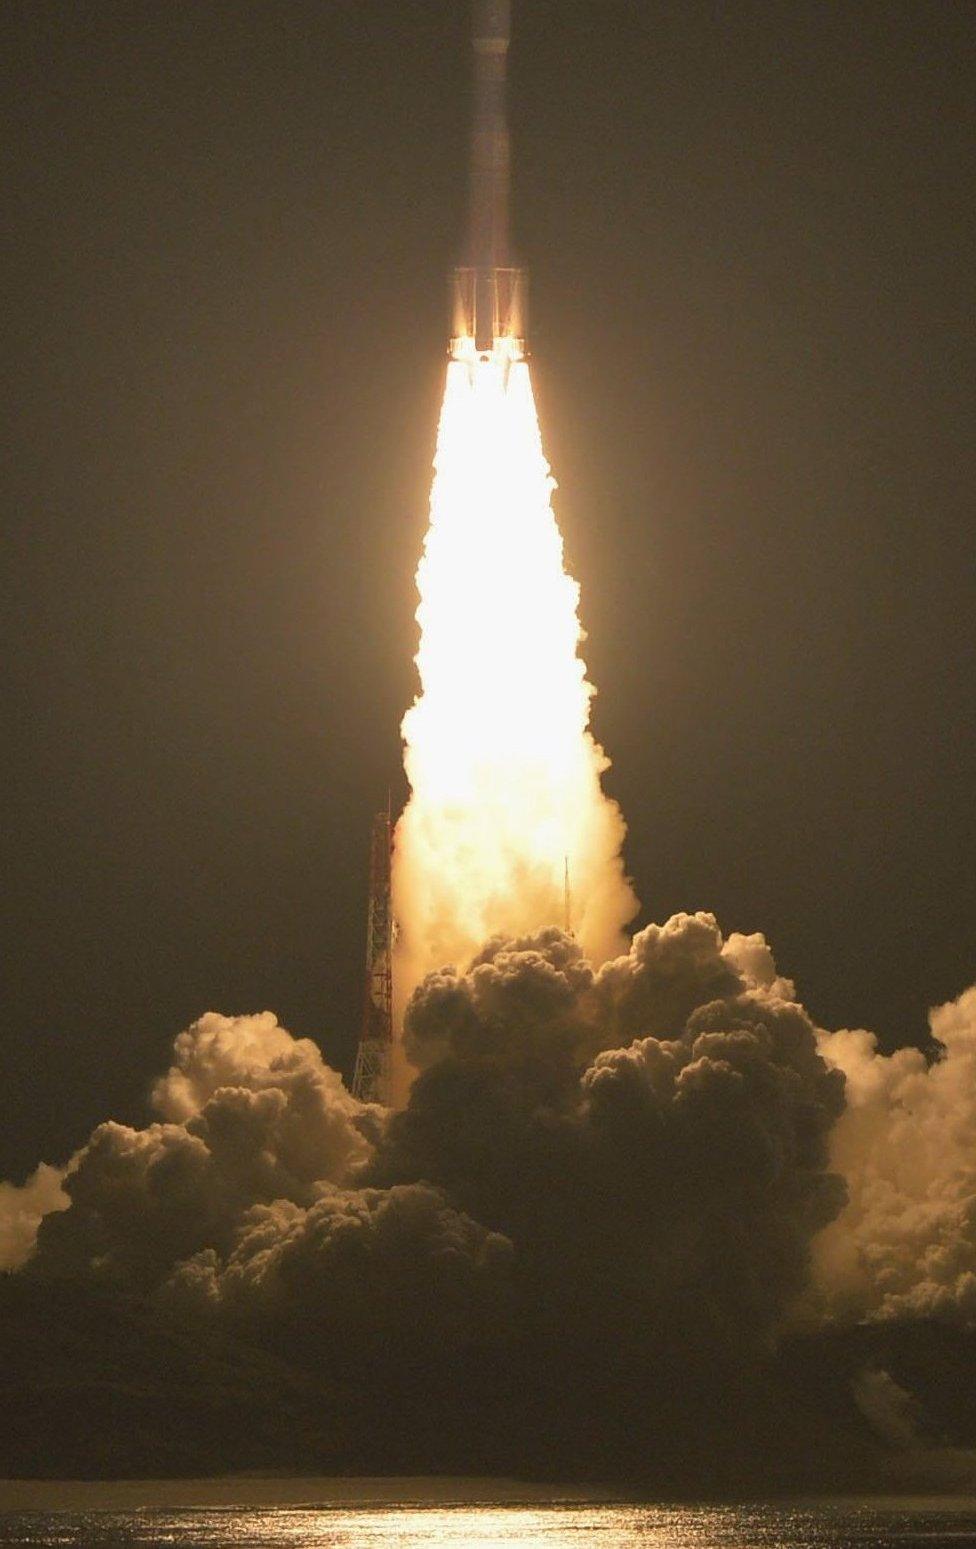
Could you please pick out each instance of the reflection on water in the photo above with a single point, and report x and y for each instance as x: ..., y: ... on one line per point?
x: 837, y: 1525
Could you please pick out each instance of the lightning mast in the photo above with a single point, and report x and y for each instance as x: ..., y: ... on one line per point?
x: 371, y: 1079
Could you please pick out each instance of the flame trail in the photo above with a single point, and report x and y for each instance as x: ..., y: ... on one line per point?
x: 504, y: 774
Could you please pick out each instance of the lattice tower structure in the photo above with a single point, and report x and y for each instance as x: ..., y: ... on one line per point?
x: 371, y: 1078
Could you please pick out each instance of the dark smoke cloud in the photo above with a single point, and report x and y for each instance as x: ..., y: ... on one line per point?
x: 617, y: 1216
x: 680, y: 1178
x: 364, y: 1272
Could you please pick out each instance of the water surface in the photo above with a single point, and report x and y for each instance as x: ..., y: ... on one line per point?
x: 873, y: 1524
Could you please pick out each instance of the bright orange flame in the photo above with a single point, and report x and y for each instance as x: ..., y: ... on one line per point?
x: 504, y: 774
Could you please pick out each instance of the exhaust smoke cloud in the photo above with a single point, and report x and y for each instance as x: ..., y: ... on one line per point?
x: 905, y: 1246
x: 619, y: 1199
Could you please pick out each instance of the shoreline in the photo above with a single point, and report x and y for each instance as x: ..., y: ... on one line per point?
x: 293, y: 1491
x: 332, y: 1492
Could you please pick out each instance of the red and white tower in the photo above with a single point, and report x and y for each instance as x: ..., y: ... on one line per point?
x: 371, y: 1079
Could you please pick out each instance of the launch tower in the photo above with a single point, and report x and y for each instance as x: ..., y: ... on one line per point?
x: 371, y: 1079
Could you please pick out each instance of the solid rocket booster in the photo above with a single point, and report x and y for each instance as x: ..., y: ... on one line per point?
x: 489, y: 291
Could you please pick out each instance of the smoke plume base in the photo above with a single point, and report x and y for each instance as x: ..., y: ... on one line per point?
x: 652, y: 1192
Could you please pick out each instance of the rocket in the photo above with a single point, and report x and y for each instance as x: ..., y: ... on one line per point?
x: 490, y: 157
x: 489, y: 290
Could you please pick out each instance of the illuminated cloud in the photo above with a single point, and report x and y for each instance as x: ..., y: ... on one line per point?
x: 905, y: 1247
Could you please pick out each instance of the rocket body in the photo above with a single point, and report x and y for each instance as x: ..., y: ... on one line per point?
x: 489, y: 139
x: 489, y: 291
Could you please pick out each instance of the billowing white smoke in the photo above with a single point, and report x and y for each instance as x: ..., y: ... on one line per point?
x: 905, y: 1246
x: 248, y: 1116
x: 21, y: 1210
x: 504, y: 774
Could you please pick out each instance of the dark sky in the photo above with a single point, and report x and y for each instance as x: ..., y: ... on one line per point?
x: 750, y: 232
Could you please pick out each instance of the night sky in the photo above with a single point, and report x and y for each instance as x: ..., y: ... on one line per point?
x: 750, y: 235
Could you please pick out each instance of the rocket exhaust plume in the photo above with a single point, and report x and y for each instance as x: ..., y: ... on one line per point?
x: 506, y: 802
